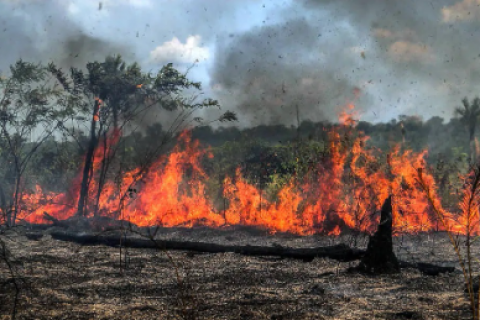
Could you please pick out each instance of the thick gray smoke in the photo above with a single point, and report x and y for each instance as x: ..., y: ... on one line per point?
x: 429, y: 47
x: 406, y: 57
x: 271, y: 71
x: 41, y: 31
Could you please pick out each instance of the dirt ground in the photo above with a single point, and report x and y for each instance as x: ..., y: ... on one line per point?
x: 63, y: 280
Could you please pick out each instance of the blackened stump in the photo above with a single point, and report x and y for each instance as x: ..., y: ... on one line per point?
x: 379, y: 257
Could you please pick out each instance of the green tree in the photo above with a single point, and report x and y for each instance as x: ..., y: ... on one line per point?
x: 33, y: 106
x: 469, y: 114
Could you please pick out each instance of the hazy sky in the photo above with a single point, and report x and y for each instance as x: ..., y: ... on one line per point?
x: 266, y: 58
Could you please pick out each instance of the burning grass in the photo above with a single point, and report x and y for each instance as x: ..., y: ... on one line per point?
x: 349, y: 184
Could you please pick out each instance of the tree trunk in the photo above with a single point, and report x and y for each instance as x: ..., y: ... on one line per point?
x: 379, y: 257
x: 3, y: 204
x: 88, y: 163
x: 472, y: 144
x: 16, y: 198
x: 13, y: 210
x: 106, y: 158
x: 103, y: 173
x: 115, y: 114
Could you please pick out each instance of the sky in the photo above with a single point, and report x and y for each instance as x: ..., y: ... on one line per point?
x: 266, y: 59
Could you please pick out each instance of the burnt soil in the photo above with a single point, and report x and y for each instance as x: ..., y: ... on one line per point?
x: 63, y: 280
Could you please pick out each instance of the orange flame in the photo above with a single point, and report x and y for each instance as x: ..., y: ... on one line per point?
x: 348, y: 188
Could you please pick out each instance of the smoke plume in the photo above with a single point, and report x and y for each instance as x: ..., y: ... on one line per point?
x: 41, y: 31
x: 405, y: 57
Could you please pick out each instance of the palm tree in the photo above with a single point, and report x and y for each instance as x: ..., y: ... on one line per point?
x: 469, y: 114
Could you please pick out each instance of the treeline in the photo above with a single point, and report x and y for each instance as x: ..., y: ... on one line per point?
x: 273, y: 147
x: 437, y: 135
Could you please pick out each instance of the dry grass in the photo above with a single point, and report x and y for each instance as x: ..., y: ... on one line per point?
x: 67, y: 281
x: 469, y: 219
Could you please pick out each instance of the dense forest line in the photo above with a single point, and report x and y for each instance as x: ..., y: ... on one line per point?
x: 276, y: 145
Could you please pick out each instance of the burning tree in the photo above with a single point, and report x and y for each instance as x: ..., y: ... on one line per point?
x: 339, y: 185
x: 118, y: 94
x: 32, y: 107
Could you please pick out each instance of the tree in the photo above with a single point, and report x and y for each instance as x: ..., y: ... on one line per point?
x: 118, y: 94
x: 469, y: 114
x: 32, y: 107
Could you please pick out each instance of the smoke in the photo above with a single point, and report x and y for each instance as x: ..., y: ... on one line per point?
x: 405, y: 57
x: 271, y: 72
x: 43, y: 31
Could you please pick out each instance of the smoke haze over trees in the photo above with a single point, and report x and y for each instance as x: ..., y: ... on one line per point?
x: 268, y: 59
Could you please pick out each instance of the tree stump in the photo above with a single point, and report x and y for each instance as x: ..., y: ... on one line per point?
x: 379, y: 257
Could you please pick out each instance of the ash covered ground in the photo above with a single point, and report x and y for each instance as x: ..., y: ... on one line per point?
x: 63, y: 280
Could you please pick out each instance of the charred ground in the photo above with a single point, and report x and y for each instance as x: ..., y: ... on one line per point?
x: 64, y: 280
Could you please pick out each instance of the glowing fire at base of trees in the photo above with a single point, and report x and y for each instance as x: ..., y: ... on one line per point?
x: 350, y: 186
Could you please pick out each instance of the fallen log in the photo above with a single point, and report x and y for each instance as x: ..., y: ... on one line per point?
x: 339, y: 252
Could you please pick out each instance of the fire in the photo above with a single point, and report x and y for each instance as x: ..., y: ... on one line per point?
x: 348, y: 189
x: 98, y: 105
x: 348, y: 115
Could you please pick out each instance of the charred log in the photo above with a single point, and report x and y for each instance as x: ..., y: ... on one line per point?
x: 340, y: 252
